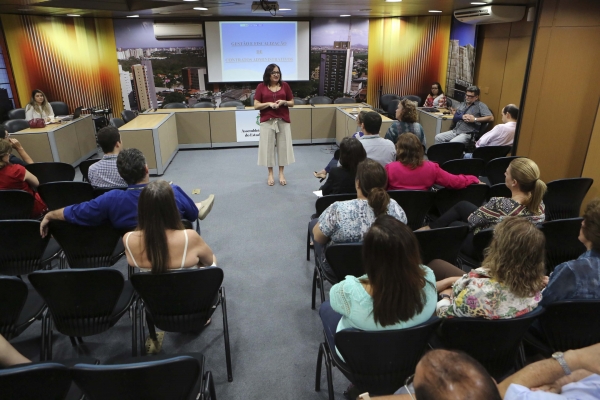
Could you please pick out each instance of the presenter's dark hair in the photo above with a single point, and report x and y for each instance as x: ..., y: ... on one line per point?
x: 473, y: 89
x: 352, y: 152
x: 440, y: 90
x: 108, y: 138
x: 372, y: 121
x: 267, y: 74
x: 157, y: 212
x: 372, y: 181
x: 512, y: 110
x: 131, y: 165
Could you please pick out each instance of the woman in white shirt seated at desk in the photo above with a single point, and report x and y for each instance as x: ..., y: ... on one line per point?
x: 160, y: 243
x: 39, y: 107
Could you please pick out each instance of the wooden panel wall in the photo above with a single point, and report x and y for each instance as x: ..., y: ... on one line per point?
x: 591, y: 168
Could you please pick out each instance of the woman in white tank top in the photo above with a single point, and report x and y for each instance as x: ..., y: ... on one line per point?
x: 160, y: 243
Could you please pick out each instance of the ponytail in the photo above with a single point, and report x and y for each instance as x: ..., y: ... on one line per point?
x: 537, y: 195
x: 527, y: 174
x: 378, y: 200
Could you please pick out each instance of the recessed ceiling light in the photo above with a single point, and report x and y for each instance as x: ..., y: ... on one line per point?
x: 393, y: 1
x: 73, y: 15
x: 201, y: 8
x: 133, y: 16
x: 345, y: 15
x: 478, y: 3
x: 285, y: 9
x: 24, y: 9
x: 434, y: 11
x: 191, y: 0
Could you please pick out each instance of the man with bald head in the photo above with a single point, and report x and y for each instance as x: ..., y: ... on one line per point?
x: 502, y: 134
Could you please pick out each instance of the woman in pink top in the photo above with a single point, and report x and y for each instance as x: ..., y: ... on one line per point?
x: 411, y: 172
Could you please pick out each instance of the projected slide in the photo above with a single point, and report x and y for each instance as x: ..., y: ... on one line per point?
x: 247, y: 48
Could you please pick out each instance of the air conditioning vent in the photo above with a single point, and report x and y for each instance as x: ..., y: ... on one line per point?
x: 178, y: 30
x: 490, y: 14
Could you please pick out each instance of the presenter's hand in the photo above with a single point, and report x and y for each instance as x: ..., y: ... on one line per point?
x: 281, y: 103
x: 274, y: 105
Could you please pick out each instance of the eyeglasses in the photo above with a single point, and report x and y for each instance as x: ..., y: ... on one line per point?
x: 407, y: 383
x: 470, y: 95
x: 275, y: 73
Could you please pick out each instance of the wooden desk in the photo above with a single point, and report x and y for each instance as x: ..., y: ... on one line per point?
x: 345, y: 123
x: 156, y: 136
x: 193, y: 126
x: 433, y: 123
x: 70, y: 142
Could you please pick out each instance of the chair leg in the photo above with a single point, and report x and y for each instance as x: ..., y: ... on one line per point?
x: 49, y: 338
x: 321, y: 285
x: 328, y: 363
x: 318, y: 374
x: 142, y: 322
x: 44, y: 333
x: 209, y: 387
x: 308, y: 245
x: 226, y: 335
x: 134, y: 317
x: 314, y: 288
x: 73, y: 342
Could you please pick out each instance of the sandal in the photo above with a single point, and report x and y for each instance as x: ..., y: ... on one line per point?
x: 154, y: 347
x: 319, y: 175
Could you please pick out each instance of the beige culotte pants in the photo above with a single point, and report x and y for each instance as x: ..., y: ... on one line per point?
x: 275, y: 131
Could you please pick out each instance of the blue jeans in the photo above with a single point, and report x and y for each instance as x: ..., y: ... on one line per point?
x: 330, y: 320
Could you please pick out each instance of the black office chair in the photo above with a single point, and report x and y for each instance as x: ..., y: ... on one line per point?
x: 481, y: 241
x: 181, y: 301
x: 15, y: 204
x: 116, y: 122
x: 128, y: 115
x: 414, y: 98
x: 20, y: 306
x: 465, y: 166
x: 16, y: 113
x: 51, y: 171
x: 499, y: 190
x: 391, y: 109
x: 448, y: 102
x: 386, y: 99
x: 442, y: 152
x: 564, y: 197
x: 175, y: 105
x: 377, y: 362
x: 488, y: 153
x: 415, y: 203
x: 446, y: 198
x: 57, y: 195
x: 562, y: 243
x: 232, y: 103
x: 59, y: 108
x: 344, y: 100
x: 320, y: 100
x: 204, y: 104
x: 441, y: 243
x: 35, y: 381
x: 98, y: 191
x: 495, y: 169
x: 84, y: 167
x: 141, y: 378
x: 475, y: 136
x: 496, y: 344
x: 16, y: 125
x: 299, y: 102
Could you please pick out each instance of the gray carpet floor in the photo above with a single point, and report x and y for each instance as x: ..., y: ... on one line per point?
x: 259, y: 236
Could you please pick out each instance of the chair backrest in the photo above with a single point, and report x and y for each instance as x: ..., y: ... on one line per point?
x: 251, y: 98
x: 448, y: 102
x: 141, y: 380
x: 117, y: 122
x: 415, y: 203
x: 494, y: 343
x: 17, y: 113
x: 495, y: 169
x: 81, y: 301
x: 21, y: 246
x: 323, y: 202
x: 488, y: 153
x: 299, y: 102
x: 15, y: 204
x: 35, y: 381
x: 84, y: 166
x: 414, y: 98
x: 481, y: 241
x: 128, y: 115
x: 386, y: 99
x: 571, y: 324
x: 499, y: 190
x: 564, y: 197
x: 86, y: 246
x: 51, y: 171
x: 320, y: 100
x: 391, y: 108
x: 179, y: 301
x: 445, y: 198
x: 442, y: 243
x: 57, y: 195
x: 442, y: 152
x: 98, y: 191
x: 16, y: 125
x: 344, y: 100
x: 562, y: 243
x: 13, y: 294
x: 59, y: 108
x: 345, y: 259
x: 232, y: 103
x: 380, y: 361
x: 204, y: 104
x: 465, y: 166
x: 175, y: 105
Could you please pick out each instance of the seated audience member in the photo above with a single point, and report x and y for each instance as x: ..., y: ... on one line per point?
x: 25, y: 159
x: 507, y: 284
x: 39, y: 107
x: 15, y: 176
x: 347, y: 221
x: 9, y: 356
x: 341, y: 179
x: 120, y: 207
x: 160, y: 243
x: 397, y: 291
x: 411, y: 172
x: 435, y: 98
x: 502, y: 134
x: 468, y: 118
x: 523, y: 180
x: 579, y: 279
x: 407, y: 117
x: 379, y: 149
x: 322, y: 174
x: 104, y: 173
x: 451, y: 375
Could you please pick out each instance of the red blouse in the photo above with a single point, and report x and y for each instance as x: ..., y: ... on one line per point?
x: 401, y: 177
x: 264, y: 95
x: 12, y: 176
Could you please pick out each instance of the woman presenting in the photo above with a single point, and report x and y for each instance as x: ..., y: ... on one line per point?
x: 272, y: 98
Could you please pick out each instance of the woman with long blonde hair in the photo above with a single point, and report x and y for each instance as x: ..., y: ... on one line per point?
x: 38, y: 107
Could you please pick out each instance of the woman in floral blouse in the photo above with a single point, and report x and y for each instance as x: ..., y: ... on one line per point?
x: 509, y: 281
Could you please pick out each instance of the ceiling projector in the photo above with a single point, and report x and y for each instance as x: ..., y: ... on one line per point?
x: 264, y: 6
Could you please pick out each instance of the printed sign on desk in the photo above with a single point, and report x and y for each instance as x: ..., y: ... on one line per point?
x: 247, y: 125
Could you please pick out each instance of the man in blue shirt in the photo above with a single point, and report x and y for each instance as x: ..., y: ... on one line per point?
x: 579, y: 279
x: 119, y: 207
